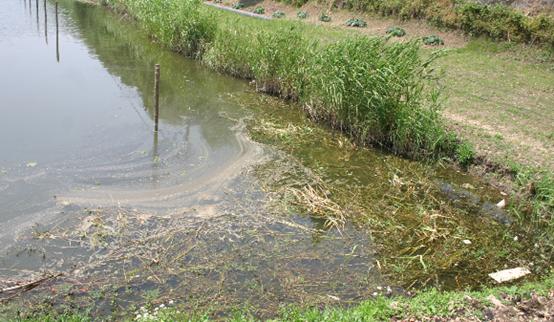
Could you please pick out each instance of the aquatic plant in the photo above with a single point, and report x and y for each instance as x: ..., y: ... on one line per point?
x: 356, y: 22
x: 259, y: 10
x: 302, y: 14
x: 396, y: 32
x: 278, y: 14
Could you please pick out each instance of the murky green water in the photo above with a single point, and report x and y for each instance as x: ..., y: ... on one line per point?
x: 201, y: 214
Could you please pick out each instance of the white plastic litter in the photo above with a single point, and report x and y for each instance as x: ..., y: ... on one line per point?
x: 509, y: 274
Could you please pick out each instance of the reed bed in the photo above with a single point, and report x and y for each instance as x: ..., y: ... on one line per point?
x: 376, y: 91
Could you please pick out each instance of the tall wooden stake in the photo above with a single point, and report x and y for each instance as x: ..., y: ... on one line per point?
x: 57, y: 35
x: 45, y: 23
x: 38, y: 22
x: 156, y: 96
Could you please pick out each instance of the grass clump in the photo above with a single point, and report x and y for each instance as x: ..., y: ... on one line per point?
x: 177, y: 24
x: 535, y: 207
x: 396, y: 32
x: 465, y: 154
x: 259, y: 10
x: 433, y: 40
x: 278, y: 14
x: 355, y: 22
x: 324, y: 17
x: 388, y: 106
x: 302, y: 14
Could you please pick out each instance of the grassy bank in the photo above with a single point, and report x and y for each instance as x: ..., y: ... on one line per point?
x: 529, y: 301
x: 498, y: 22
x: 379, y: 92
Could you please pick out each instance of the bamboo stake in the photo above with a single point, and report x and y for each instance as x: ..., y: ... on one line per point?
x: 57, y: 35
x: 156, y: 96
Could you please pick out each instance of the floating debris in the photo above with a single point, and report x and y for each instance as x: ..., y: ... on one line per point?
x: 509, y: 274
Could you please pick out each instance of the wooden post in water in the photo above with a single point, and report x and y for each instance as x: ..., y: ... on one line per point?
x: 156, y: 96
x: 57, y: 35
x: 45, y: 23
x: 38, y: 22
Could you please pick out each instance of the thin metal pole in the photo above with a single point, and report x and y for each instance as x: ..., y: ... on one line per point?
x: 156, y: 96
x: 57, y: 35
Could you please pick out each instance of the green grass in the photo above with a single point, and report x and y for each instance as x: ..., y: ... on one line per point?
x: 498, y: 22
x: 426, y: 304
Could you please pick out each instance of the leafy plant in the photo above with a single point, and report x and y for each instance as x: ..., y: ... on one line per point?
x: 259, y: 10
x: 433, y: 40
x: 278, y: 14
x: 238, y: 5
x: 302, y: 15
x: 465, y: 154
x: 396, y: 32
x: 324, y: 17
x: 356, y: 22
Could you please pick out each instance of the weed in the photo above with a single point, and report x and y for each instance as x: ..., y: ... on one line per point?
x: 355, y: 22
x: 278, y: 14
x: 433, y: 40
x: 465, y: 154
x: 324, y: 17
x: 302, y: 14
x: 259, y: 10
x: 396, y: 32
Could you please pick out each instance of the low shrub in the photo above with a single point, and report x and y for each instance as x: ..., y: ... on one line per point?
x: 433, y: 40
x: 324, y: 17
x: 396, y: 32
x: 302, y: 15
x: 278, y: 14
x: 355, y: 22
x: 465, y: 154
x: 259, y: 10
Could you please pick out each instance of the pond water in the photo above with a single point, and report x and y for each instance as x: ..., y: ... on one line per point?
x: 188, y: 214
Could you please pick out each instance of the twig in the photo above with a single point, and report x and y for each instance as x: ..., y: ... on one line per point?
x: 30, y: 285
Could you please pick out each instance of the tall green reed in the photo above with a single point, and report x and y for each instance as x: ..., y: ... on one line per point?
x: 376, y: 91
